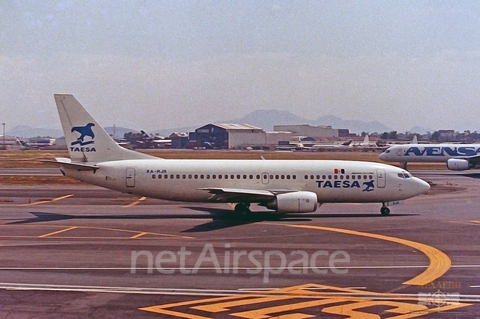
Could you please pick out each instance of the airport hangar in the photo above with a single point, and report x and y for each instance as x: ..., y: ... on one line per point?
x: 237, y: 136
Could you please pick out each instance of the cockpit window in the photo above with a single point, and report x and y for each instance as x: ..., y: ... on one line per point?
x: 404, y: 175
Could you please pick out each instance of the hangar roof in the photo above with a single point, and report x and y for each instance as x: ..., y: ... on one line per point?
x: 235, y: 126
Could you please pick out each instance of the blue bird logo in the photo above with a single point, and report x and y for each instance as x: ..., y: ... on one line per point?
x: 84, y: 132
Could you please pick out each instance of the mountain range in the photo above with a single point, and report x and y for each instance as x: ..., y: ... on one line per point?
x: 264, y: 119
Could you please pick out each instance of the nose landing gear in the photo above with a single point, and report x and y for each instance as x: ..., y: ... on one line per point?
x: 385, y: 211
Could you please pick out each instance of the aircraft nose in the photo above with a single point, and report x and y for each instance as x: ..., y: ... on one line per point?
x: 383, y: 156
x: 421, y: 186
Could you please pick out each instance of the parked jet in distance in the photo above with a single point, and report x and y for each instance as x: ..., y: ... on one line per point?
x: 366, y: 143
x: 458, y: 157
x: 333, y: 146
x: 286, y: 186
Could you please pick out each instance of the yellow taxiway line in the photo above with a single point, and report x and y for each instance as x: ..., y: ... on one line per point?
x: 57, y: 232
x: 47, y: 201
x: 138, y: 201
x: 440, y: 263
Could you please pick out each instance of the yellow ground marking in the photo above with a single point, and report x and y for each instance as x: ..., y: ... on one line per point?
x: 138, y: 201
x: 136, y: 232
x: 224, y: 306
x: 162, y: 308
x: 440, y: 263
x: 57, y: 232
x: 332, y: 300
x: 47, y: 201
x: 406, y: 310
x: 264, y: 312
x: 138, y: 235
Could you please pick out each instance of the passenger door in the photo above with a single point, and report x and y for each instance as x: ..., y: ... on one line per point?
x: 130, y: 177
x: 381, y: 178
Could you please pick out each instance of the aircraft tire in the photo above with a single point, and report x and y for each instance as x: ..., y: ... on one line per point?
x: 242, y: 210
x: 385, y: 211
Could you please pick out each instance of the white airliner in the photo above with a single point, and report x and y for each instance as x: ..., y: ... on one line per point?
x: 286, y: 186
x: 458, y: 157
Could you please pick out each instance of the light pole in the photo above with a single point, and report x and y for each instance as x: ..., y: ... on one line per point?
x: 3, y: 133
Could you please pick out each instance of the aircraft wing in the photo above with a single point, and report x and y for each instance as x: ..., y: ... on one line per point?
x: 473, y: 159
x: 236, y: 195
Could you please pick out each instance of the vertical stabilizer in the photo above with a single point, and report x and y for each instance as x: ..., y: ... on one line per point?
x: 366, y: 140
x: 414, y: 140
x: 86, y: 140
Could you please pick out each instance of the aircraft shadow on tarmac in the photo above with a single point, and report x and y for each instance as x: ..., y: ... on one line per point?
x: 218, y: 218
x: 471, y: 175
x: 461, y: 174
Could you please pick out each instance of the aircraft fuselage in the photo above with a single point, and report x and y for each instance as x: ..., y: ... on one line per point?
x: 183, y: 180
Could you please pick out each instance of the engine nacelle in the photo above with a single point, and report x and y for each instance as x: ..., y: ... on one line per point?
x: 457, y: 164
x: 294, y: 202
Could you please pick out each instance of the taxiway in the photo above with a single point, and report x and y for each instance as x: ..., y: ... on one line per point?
x: 83, y: 251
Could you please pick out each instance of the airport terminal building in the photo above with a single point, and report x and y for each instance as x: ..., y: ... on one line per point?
x: 237, y: 136
x: 317, y: 132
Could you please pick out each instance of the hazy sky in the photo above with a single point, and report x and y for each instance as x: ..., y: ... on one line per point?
x: 166, y: 64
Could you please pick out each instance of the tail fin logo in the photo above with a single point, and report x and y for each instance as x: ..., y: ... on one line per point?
x: 85, y: 131
x: 86, y: 138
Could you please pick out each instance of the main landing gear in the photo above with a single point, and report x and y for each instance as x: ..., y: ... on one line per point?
x: 242, y: 209
x: 385, y: 211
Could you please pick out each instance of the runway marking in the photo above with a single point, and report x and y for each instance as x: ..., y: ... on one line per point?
x: 440, y: 263
x: 286, y: 303
x: 138, y: 201
x: 213, y: 268
x: 57, y: 232
x: 47, y: 201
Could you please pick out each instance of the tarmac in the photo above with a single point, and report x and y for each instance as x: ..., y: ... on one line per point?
x: 83, y: 251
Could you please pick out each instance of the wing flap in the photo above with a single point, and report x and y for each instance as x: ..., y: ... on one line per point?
x: 236, y: 195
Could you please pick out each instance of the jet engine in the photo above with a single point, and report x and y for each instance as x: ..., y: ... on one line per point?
x: 294, y: 202
x: 456, y: 164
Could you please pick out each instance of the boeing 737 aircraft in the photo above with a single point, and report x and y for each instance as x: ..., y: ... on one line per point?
x: 459, y: 157
x: 286, y: 186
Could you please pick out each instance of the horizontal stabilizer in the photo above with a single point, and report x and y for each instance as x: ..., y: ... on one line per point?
x: 66, y: 162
